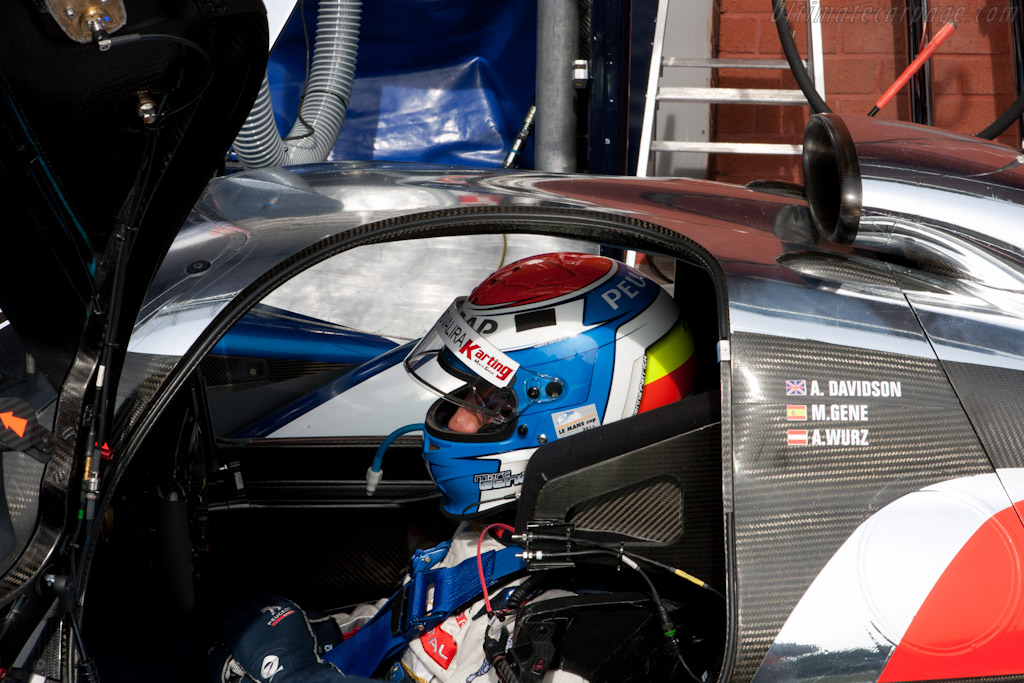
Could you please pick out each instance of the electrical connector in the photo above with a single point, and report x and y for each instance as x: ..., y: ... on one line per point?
x: 373, y: 478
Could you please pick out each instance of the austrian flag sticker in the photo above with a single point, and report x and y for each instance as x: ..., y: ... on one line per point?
x: 796, y: 437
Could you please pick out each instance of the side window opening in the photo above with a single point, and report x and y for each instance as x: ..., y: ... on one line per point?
x: 286, y: 512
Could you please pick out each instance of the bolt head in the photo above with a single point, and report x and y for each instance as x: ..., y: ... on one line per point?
x: 197, y: 267
x: 69, y: 12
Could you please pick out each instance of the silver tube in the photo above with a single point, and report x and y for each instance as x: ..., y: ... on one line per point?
x: 557, y: 47
x: 327, y: 94
x: 258, y: 144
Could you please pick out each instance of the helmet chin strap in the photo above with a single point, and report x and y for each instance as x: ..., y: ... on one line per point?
x: 375, y: 473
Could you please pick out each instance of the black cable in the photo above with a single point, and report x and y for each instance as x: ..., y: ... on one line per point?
x: 12, y: 613
x: 167, y: 37
x: 607, y: 547
x: 796, y: 64
x: 818, y: 105
x: 494, y: 652
x: 1005, y: 120
x: 161, y: 37
x: 529, y: 585
x: 77, y: 633
x: 668, y: 628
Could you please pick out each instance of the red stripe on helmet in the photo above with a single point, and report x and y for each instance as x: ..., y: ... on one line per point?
x: 671, y: 387
x: 539, y: 278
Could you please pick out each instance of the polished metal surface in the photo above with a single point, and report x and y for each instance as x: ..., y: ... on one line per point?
x: 725, y: 147
x: 969, y: 186
x: 557, y: 47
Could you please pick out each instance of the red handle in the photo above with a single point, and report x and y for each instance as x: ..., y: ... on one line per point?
x: 918, y: 62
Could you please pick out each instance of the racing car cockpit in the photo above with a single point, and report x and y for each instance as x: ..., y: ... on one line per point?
x: 315, y: 449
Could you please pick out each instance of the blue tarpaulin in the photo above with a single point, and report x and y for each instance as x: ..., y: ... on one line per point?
x: 442, y: 81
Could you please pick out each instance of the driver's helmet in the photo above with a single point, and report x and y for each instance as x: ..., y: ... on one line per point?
x: 544, y: 348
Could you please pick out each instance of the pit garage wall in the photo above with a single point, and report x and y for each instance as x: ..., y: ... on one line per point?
x: 865, y: 46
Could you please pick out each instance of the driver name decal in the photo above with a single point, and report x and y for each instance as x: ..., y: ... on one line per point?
x: 498, y: 480
x: 845, y: 421
x: 475, y: 352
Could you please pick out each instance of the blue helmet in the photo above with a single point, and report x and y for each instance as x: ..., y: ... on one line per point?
x: 544, y: 348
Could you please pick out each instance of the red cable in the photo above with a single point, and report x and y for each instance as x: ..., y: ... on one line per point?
x: 480, y: 560
x: 918, y: 62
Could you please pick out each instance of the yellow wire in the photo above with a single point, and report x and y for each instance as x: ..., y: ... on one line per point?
x: 504, y: 249
x: 689, y: 577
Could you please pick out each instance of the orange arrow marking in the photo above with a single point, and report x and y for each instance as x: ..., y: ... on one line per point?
x: 14, y: 423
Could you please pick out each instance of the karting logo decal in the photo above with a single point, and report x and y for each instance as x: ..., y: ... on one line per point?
x: 439, y: 646
x: 477, y: 353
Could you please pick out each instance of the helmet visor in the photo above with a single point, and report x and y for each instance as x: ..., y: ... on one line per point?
x: 477, y: 409
x: 453, y: 355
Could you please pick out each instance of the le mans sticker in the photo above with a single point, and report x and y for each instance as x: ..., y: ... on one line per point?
x: 576, y: 420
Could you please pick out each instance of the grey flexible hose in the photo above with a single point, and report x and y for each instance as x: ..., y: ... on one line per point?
x: 259, y: 144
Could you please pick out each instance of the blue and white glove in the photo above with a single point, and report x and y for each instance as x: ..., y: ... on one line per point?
x: 274, y: 641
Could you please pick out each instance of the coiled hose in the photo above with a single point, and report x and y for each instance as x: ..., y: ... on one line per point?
x: 324, y: 102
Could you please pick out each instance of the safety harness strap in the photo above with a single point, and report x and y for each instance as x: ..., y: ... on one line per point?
x: 408, y: 615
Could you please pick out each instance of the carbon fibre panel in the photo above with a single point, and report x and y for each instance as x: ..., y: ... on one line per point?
x: 837, y: 268
x: 797, y: 497
x: 994, y: 400
x: 21, y: 477
x: 684, y: 468
x: 658, y: 502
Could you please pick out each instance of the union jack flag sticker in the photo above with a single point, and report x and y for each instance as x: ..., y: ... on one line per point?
x: 796, y: 387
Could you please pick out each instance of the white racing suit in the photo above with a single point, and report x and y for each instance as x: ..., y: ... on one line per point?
x: 453, y: 651
x: 277, y: 642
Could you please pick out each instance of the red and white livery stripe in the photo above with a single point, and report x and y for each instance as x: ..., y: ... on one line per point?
x: 934, y: 577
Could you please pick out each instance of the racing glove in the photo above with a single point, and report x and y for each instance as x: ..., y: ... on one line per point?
x: 274, y: 641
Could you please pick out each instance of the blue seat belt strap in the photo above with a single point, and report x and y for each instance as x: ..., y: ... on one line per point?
x: 405, y: 616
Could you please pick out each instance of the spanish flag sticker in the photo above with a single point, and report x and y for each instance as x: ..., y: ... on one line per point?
x: 796, y: 413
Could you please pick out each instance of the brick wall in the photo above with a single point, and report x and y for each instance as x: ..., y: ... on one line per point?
x: 864, y: 42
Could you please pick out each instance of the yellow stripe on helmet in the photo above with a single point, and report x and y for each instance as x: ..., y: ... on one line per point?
x: 669, y: 352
